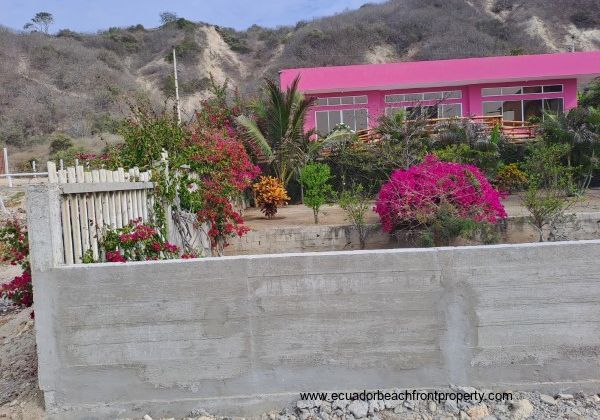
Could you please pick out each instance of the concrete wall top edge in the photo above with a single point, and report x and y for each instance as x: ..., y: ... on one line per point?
x: 340, y: 253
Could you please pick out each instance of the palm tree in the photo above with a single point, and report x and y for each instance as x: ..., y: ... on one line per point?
x: 580, y: 130
x: 278, y: 130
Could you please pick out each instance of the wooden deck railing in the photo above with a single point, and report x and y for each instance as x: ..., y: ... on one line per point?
x: 515, y: 131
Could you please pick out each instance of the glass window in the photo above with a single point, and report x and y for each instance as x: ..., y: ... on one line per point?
x: 453, y: 94
x: 321, y: 101
x: 335, y: 117
x: 512, y: 111
x: 322, y: 118
x: 429, y: 111
x: 532, y: 89
x: 532, y: 109
x: 553, y: 88
x: 347, y: 100
x: 361, y: 99
x: 362, y: 119
x: 333, y: 101
x: 430, y: 96
x: 492, y: 108
x: 394, y: 98
x: 348, y: 118
x: 553, y: 105
x: 491, y: 91
x: 450, y: 110
x: 413, y: 97
x: 513, y: 90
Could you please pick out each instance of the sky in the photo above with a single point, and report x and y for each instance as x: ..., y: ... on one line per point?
x: 93, y: 15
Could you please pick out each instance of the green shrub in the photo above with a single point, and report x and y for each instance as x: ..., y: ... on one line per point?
x: 315, y: 178
x: 355, y: 204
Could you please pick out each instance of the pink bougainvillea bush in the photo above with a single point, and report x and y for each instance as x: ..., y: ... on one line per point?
x: 441, y: 199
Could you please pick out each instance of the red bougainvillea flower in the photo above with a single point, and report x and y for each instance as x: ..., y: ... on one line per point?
x: 115, y: 256
x: 414, y: 196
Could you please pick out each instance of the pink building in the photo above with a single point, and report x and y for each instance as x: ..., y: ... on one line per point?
x: 515, y: 88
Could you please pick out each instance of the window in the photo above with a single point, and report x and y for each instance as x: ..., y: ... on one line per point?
x: 522, y: 110
x: 334, y: 101
x: 413, y: 97
x: 453, y: 94
x: 532, y: 89
x: 394, y: 98
x: 432, y: 96
x: 356, y: 119
x: 553, y: 105
x: 532, y: 109
x: 512, y: 110
x: 492, y: 108
x: 491, y: 91
x: 342, y: 100
x: 322, y: 119
x: 514, y: 90
x: 520, y: 90
x: 427, y: 96
x: 553, y: 88
x: 414, y: 112
x: 450, y: 110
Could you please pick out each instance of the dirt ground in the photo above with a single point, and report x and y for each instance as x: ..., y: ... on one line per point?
x: 299, y: 215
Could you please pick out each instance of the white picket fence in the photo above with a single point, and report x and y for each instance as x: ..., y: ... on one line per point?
x: 96, y: 200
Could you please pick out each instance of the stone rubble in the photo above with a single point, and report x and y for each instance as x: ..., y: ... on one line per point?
x: 524, y: 405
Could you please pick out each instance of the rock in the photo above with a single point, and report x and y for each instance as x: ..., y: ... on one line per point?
x: 339, y: 404
x: 565, y: 396
x: 547, y: 399
x: 463, y: 416
x: 324, y: 416
x: 307, y: 404
x: 451, y: 406
x: 305, y: 414
x: 358, y: 408
x: 409, y: 404
x: 478, y: 412
x: 399, y: 409
x: 466, y: 389
x: 147, y: 417
x: 432, y: 406
x: 521, y: 409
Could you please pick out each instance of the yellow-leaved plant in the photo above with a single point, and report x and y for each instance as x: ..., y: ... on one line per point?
x: 270, y: 194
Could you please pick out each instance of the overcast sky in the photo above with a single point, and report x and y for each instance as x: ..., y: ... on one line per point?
x: 92, y: 15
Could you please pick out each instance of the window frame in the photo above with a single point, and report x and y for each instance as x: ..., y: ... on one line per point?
x: 561, y: 99
x: 501, y: 90
x: 341, y: 114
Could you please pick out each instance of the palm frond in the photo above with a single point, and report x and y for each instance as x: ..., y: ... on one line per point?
x: 255, y: 135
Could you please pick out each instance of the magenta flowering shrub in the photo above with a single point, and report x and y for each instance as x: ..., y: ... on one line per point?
x: 137, y: 242
x: 419, y: 196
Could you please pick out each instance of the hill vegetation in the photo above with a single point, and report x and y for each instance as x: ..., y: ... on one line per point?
x: 78, y: 85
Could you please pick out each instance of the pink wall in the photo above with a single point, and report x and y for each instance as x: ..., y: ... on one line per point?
x: 471, y: 98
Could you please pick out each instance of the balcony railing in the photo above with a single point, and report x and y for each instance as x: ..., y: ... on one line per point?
x: 514, y: 131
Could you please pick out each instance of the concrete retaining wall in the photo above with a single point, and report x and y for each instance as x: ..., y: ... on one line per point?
x: 318, y: 238
x: 238, y: 335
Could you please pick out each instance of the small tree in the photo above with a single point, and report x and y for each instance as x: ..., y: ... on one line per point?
x: 315, y: 179
x: 40, y: 22
x: 167, y: 17
x: 59, y: 143
x: 548, y: 196
x: 356, y: 204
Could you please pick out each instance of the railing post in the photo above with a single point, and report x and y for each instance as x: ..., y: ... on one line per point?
x: 6, y: 171
x: 44, y: 227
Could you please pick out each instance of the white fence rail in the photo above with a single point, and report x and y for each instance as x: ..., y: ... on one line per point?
x: 96, y: 200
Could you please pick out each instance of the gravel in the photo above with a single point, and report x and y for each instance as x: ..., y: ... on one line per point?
x: 524, y: 405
